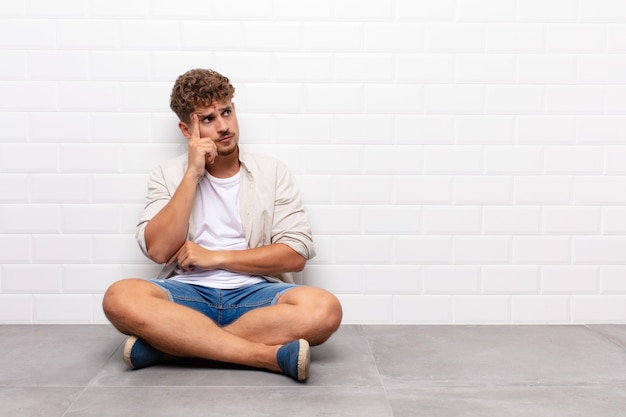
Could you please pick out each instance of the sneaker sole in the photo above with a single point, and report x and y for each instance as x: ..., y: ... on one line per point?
x: 128, y: 346
x: 304, y: 360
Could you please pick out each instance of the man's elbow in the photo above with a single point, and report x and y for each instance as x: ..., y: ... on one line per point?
x: 157, y: 255
x: 299, y: 263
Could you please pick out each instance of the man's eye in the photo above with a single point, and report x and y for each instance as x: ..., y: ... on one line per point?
x: 207, y: 119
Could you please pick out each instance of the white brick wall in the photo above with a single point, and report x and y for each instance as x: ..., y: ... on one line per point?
x: 462, y: 161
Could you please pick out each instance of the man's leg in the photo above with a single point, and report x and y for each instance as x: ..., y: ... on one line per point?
x: 302, y: 312
x: 141, y: 308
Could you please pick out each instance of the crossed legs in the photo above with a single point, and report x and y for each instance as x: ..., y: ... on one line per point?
x: 141, y: 308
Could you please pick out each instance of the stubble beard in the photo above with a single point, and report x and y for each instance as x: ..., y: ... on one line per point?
x: 231, y: 148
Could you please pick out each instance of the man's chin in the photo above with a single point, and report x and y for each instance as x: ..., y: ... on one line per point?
x: 227, y: 151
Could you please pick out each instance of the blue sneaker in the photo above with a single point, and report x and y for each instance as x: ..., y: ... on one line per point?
x: 139, y: 354
x: 294, y: 359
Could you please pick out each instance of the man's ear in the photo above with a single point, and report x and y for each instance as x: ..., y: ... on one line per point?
x: 184, y: 128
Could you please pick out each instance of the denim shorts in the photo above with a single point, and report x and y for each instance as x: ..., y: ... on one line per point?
x: 223, y: 306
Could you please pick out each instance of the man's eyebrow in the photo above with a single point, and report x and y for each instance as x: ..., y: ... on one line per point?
x: 211, y: 113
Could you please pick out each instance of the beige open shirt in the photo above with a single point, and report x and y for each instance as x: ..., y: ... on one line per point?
x: 271, y: 208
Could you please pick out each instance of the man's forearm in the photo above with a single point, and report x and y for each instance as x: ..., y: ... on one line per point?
x: 167, y: 231
x: 272, y: 259
x: 265, y: 260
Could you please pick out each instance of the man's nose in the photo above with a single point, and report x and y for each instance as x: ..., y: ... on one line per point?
x: 220, y: 124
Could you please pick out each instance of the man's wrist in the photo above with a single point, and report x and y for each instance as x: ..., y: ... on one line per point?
x: 192, y: 175
x: 221, y: 259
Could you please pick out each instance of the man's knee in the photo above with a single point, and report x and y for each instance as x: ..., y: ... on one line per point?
x: 330, y: 307
x: 324, y: 315
x: 115, y: 300
x: 123, y: 299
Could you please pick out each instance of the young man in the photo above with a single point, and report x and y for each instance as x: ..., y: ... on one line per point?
x: 231, y: 228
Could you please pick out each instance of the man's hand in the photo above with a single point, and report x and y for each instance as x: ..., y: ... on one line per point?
x: 201, y: 150
x: 273, y: 259
x: 191, y: 256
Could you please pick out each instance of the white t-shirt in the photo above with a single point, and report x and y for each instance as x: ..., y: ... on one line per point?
x: 218, y: 227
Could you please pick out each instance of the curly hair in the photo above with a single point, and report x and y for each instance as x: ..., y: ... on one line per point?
x: 198, y: 87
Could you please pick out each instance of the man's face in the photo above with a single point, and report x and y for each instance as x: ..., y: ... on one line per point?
x: 217, y: 122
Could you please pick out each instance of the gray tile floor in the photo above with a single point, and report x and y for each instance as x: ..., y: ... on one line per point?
x: 433, y: 371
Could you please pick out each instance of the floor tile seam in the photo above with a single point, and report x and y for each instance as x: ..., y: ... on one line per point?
x: 606, y: 384
x: 606, y: 337
x: 74, y: 401
x: 104, y: 364
x: 242, y: 386
x: 379, y: 377
x: 81, y: 386
x: 370, y: 351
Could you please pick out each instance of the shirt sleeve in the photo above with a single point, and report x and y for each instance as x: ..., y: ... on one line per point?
x: 290, y: 223
x: 157, y: 197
